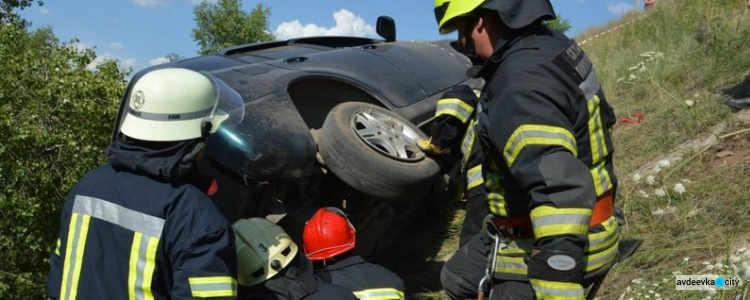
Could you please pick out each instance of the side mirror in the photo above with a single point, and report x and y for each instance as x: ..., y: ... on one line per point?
x: 386, y: 28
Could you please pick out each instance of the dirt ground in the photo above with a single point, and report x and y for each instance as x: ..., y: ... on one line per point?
x: 729, y: 152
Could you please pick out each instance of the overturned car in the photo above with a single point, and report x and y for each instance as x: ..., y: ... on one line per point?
x: 329, y: 121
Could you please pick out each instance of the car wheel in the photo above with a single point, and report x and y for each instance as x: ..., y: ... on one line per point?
x: 374, y: 151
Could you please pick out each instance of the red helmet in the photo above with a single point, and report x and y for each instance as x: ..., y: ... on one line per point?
x: 327, y: 234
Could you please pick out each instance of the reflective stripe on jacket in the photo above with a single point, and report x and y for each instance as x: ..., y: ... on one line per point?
x: 127, y: 236
x: 365, y: 280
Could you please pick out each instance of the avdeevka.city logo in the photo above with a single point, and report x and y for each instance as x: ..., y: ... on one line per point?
x: 706, y: 282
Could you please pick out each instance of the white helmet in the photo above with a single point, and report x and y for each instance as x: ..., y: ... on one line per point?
x: 263, y: 250
x: 173, y: 104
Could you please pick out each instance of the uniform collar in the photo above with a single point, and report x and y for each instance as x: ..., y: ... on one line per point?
x: 510, y: 42
x: 346, y: 262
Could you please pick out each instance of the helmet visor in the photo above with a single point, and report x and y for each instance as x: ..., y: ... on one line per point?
x: 229, y: 108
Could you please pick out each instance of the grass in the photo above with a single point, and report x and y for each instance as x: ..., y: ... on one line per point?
x: 705, y: 47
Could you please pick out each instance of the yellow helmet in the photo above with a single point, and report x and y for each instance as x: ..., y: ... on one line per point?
x: 447, y: 11
x: 263, y: 250
x: 514, y: 13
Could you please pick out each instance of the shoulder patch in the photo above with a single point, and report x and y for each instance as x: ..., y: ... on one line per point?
x: 574, y: 62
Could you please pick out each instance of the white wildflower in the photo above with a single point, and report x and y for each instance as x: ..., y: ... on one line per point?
x: 658, y: 212
x: 685, y: 259
x: 57, y: 69
x: 660, y: 192
x: 650, y: 291
x: 643, y: 194
x: 648, y: 297
x: 710, y: 267
x: 686, y: 180
x: 735, y: 259
x: 633, y: 68
x: 689, y: 103
x: 657, y: 168
x: 663, y: 163
x: 696, y: 95
x: 621, y: 79
x: 643, y: 68
x: 718, y: 266
x: 632, y: 77
x: 706, y: 263
x: 659, y: 55
x: 679, y: 188
x: 650, y: 180
x: 637, y: 280
x: 637, y: 177
x: 658, y: 295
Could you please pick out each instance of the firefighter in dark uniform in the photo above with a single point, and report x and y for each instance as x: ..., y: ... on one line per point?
x: 452, y: 131
x: 544, y: 126
x: 135, y: 228
x: 271, y: 267
x: 328, y: 236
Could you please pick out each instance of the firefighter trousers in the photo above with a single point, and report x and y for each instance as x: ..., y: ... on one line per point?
x: 462, y: 273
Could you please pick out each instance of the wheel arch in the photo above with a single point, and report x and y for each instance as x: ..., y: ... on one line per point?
x: 314, y: 97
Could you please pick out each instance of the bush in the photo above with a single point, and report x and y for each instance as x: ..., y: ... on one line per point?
x: 56, y: 112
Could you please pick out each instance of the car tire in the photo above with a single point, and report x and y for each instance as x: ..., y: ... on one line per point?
x: 364, y: 165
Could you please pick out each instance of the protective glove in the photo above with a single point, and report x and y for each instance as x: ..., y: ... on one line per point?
x: 431, y: 149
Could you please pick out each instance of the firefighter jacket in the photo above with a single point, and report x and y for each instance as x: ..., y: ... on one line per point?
x: 366, y: 280
x: 545, y: 130
x: 296, y: 281
x: 133, y: 229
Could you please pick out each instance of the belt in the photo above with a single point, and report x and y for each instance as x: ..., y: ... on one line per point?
x: 603, y: 210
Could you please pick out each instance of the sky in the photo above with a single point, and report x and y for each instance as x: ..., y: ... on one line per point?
x: 139, y: 33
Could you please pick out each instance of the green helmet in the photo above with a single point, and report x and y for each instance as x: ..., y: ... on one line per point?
x: 514, y: 13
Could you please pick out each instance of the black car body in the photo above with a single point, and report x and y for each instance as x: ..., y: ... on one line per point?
x: 288, y: 88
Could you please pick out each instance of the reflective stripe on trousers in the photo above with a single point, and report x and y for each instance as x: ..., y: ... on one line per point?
x: 600, y: 250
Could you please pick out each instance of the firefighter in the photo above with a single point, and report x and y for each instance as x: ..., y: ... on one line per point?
x: 328, y: 238
x: 452, y: 130
x: 544, y: 129
x: 135, y: 228
x: 271, y: 267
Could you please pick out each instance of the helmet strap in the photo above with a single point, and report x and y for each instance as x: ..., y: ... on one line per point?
x: 206, y: 127
x: 470, y: 48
